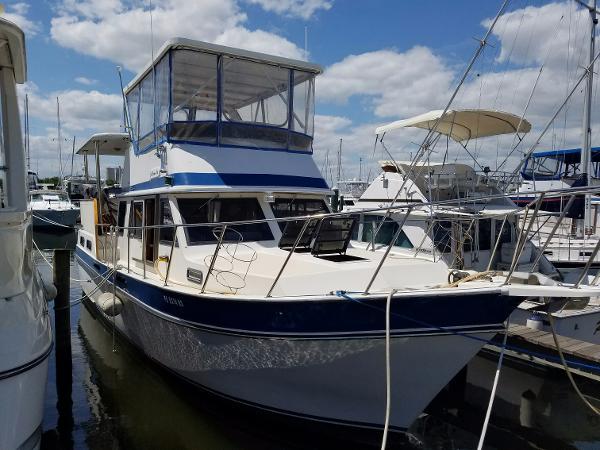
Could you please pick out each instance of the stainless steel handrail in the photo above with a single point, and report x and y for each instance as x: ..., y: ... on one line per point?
x: 553, y: 231
x: 214, y: 258
x: 387, y: 251
x: 523, y: 237
x: 289, y: 255
x: 171, y: 254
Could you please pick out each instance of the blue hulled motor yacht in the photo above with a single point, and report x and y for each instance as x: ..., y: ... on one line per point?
x: 25, y: 331
x: 223, y: 263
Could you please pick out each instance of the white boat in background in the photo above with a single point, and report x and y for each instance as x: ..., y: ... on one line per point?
x: 25, y: 330
x: 571, y: 247
x: 52, y: 210
x: 463, y: 230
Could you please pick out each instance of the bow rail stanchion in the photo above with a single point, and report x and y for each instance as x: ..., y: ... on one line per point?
x: 128, y: 231
x: 589, y: 263
x: 171, y: 254
x: 214, y: 258
x: 523, y: 235
x: 498, y: 238
x: 387, y: 250
x: 289, y: 255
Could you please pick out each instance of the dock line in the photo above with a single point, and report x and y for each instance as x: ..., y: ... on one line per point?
x: 567, y: 370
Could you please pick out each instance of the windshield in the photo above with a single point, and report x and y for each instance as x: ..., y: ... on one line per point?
x: 290, y: 207
x: 211, y: 210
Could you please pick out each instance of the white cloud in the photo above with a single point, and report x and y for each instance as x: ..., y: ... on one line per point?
x: 553, y: 34
x: 294, y: 8
x: 80, y: 110
x: 85, y: 81
x: 17, y: 13
x: 79, y: 24
x: 395, y: 83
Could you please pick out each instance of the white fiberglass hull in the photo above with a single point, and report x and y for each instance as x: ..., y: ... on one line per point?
x: 339, y: 380
x: 22, y: 407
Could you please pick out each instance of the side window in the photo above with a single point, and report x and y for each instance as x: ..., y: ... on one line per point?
x: 442, y: 236
x: 121, y: 216
x: 386, y: 232
x: 136, y: 218
x: 81, y: 240
x: 485, y: 234
x: 166, y: 218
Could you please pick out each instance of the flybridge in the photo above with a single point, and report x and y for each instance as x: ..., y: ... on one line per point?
x: 200, y: 93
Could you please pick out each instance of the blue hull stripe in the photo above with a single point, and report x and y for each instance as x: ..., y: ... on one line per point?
x: 233, y: 179
x: 467, y: 313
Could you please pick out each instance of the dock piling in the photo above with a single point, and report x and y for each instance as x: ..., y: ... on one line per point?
x: 62, y: 329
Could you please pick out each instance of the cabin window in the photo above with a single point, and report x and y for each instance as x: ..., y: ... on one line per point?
x: 386, y: 231
x: 293, y: 207
x: 121, y: 216
x: 194, y: 92
x: 81, y: 240
x: 166, y: 218
x: 210, y: 210
x: 136, y: 219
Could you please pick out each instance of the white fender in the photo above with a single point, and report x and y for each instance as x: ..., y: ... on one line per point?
x: 109, y: 305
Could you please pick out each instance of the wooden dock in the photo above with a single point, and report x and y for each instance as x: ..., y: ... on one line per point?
x: 537, y: 347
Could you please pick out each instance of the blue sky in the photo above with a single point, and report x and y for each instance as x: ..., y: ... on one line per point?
x: 383, y: 60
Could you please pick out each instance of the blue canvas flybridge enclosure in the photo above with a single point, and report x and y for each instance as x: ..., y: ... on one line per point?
x: 203, y: 99
x: 558, y: 164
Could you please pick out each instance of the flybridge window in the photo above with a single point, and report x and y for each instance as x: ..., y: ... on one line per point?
x: 194, y: 105
x: 541, y: 168
x: 210, y: 210
x: 197, y: 97
x: 255, y: 94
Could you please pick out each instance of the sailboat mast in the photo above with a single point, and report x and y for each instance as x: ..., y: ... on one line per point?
x: 339, y: 165
x: 59, y: 142
x: 586, y: 153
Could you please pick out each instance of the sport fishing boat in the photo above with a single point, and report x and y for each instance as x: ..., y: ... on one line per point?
x: 25, y: 331
x: 470, y: 214
x: 225, y: 266
x: 52, y: 210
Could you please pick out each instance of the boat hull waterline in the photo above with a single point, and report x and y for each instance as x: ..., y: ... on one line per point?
x: 275, y: 363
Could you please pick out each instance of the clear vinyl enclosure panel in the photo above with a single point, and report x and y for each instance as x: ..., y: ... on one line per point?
x: 199, y: 97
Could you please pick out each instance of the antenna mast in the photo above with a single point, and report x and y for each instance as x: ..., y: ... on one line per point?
x: 27, y: 150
